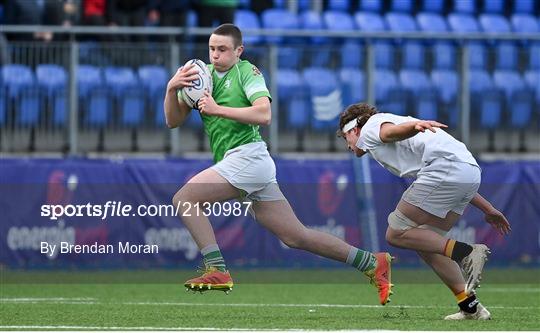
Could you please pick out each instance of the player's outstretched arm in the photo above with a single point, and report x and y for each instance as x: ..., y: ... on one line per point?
x: 176, y: 111
x: 492, y: 215
x: 260, y: 113
x: 391, y: 132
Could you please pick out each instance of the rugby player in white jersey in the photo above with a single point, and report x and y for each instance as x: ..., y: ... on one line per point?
x: 447, y: 179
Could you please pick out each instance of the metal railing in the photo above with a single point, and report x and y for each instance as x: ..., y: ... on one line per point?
x: 174, y: 44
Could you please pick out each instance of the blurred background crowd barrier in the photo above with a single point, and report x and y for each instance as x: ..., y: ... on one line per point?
x: 95, y: 81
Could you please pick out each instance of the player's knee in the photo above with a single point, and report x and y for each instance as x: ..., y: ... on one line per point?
x: 398, y: 224
x: 296, y: 240
x: 183, y: 195
x: 392, y: 236
x: 180, y: 197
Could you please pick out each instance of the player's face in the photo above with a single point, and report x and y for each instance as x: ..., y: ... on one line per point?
x: 223, y: 55
x: 351, y: 137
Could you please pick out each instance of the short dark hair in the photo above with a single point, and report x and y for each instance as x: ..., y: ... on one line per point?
x: 229, y: 29
x: 361, y: 111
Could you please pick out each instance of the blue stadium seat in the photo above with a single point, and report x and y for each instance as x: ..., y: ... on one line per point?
x: 193, y: 121
x: 384, y: 51
x: 433, y: 6
x: 444, y: 53
x: 192, y: 21
x: 371, y: 5
x: 353, y: 83
x: 519, y: 98
x: 534, y: 56
x: 370, y: 22
x: 279, y: 19
x: 447, y: 84
x: 244, y: 4
x: 389, y: 95
x: 506, y: 52
x: 463, y: 23
x: 403, y: 6
x: 318, y: 53
x: 532, y: 78
x: 326, y: 97
x: 431, y: 22
x: 53, y: 81
x: 352, y: 55
x: 464, y: 6
x: 400, y: 22
x: 524, y: 23
x: 413, y: 56
x: 494, y: 7
x: 88, y: 78
x: 445, y: 56
x: 157, y: 110
x: 524, y: 6
x: 477, y: 56
x: 424, y: 96
x: 413, y: 52
x: 339, y: 5
x: 94, y: 96
x: 128, y: 94
x: 312, y: 20
x: 154, y: 79
x: 494, y: 23
x: 288, y: 56
x: 17, y: 78
x: 338, y: 21
x: 3, y: 107
x: 280, y: 4
x: 532, y: 74
x: 506, y: 56
x: 292, y: 96
x: 23, y: 92
x: 486, y: 99
x: 304, y: 5
x: 247, y: 19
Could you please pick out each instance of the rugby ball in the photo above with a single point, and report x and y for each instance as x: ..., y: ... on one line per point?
x: 191, y: 95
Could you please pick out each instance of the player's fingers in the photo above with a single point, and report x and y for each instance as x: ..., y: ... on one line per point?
x: 428, y: 126
x: 187, y: 67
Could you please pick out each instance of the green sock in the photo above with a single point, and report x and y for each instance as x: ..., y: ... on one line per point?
x: 212, y: 257
x: 361, y: 260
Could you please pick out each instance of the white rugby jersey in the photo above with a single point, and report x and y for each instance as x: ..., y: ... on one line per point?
x: 405, y: 158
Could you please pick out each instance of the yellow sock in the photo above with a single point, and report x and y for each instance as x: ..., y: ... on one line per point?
x: 449, y: 247
x: 461, y: 296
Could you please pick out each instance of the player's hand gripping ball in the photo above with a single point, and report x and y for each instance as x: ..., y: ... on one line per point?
x: 191, y: 95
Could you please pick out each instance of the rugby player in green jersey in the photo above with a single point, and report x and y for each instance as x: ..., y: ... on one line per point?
x: 239, y: 104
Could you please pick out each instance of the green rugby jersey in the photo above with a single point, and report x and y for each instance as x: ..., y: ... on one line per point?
x: 239, y: 87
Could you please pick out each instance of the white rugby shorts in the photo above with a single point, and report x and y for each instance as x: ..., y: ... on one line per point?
x: 444, y: 185
x: 251, y: 169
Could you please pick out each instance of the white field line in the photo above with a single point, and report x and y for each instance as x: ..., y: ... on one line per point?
x: 44, y: 299
x: 146, y: 328
x: 276, y: 305
x: 509, y: 290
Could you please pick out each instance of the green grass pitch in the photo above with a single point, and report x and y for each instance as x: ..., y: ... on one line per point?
x: 262, y: 299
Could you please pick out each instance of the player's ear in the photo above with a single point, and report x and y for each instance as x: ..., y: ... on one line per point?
x: 239, y: 50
